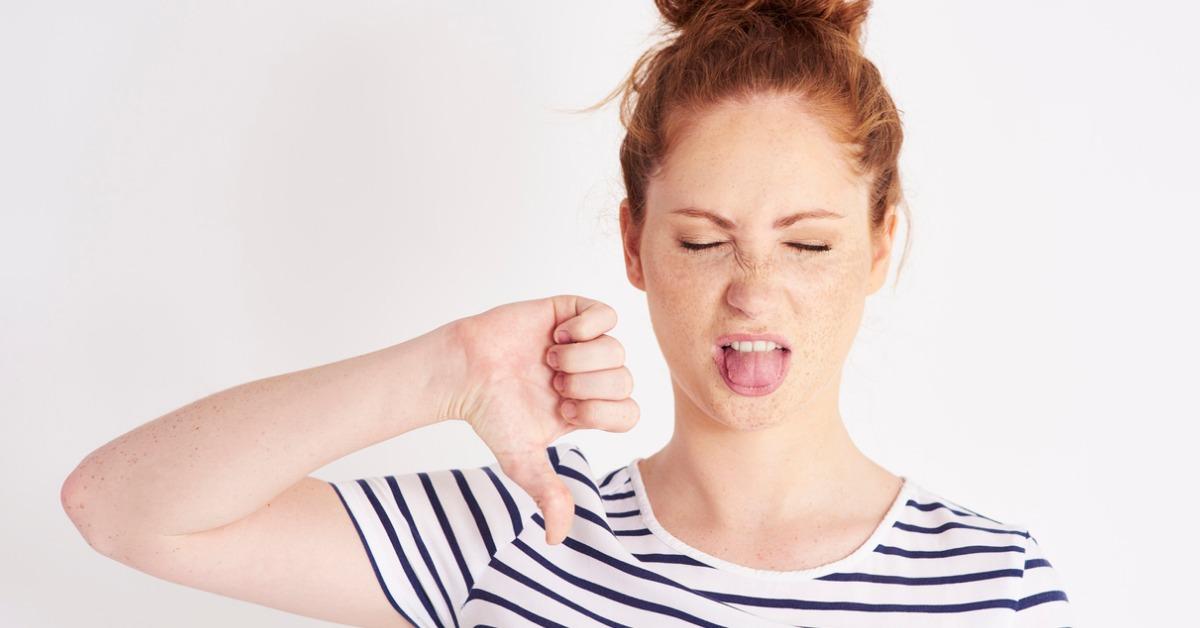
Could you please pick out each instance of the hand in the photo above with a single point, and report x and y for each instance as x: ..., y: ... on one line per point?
x: 523, y: 390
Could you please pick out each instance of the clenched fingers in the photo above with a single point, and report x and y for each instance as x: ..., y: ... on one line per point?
x: 604, y: 352
x: 601, y: 414
x: 585, y: 318
x: 612, y: 384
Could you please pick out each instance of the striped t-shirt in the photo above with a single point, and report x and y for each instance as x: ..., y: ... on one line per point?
x: 466, y: 547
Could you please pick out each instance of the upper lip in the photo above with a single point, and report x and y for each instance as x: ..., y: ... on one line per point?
x: 742, y: 337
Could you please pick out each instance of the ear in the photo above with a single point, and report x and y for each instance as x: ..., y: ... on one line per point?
x: 631, y: 237
x: 881, y: 252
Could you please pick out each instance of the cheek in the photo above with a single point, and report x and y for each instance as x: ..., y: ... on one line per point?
x: 830, y: 310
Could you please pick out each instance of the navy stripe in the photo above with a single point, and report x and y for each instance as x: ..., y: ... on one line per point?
x: 424, y: 551
x: 954, y: 551
x: 540, y: 588
x: 488, y: 596
x: 509, y: 503
x: 954, y: 524
x: 617, y: 596
x: 679, y: 559
x: 923, y: 581
x: 447, y: 531
x: 395, y: 541
x: 371, y: 556
x: 633, y: 570
x: 627, y: 513
x: 612, y: 474
x: 814, y: 605
x: 480, y: 522
x: 634, y: 532
x: 935, y: 505
x: 1037, y: 562
x: 1041, y: 598
x: 617, y: 495
x: 576, y: 450
x: 571, y: 472
x: 977, y: 514
x: 584, y: 513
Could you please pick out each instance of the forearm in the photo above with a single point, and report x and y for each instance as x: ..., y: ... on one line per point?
x: 219, y: 458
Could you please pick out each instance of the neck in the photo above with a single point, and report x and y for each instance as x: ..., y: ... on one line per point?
x: 801, y: 466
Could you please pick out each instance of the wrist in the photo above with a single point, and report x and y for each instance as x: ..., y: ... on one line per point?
x: 447, y: 364
x: 421, y: 379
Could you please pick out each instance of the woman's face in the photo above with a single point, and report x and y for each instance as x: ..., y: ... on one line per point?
x: 752, y: 165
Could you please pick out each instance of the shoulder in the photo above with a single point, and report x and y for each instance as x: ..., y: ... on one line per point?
x: 927, y: 511
x: 931, y: 525
x: 952, y: 529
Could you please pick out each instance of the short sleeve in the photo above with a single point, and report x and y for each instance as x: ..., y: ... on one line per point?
x: 429, y: 534
x: 1042, y: 601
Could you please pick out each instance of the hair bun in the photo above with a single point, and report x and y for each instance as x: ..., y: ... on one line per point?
x: 844, y: 15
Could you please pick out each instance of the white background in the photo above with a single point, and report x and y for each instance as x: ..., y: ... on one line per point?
x: 197, y: 194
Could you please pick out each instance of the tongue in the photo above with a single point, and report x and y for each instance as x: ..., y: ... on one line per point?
x: 754, y: 368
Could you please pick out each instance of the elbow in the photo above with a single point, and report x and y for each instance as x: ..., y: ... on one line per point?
x: 83, y: 511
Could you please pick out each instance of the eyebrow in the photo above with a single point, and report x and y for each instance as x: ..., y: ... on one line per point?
x: 729, y: 225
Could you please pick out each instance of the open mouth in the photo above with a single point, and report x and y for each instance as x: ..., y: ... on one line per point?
x: 769, y: 347
x: 751, y: 369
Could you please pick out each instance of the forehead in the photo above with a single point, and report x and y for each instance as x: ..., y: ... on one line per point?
x: 767, y: 155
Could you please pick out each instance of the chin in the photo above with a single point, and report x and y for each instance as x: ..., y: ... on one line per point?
x: 748, y: 413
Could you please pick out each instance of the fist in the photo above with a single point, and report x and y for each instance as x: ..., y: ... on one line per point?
x: 535, y: 371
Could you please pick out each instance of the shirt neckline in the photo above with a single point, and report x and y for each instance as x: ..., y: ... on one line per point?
x: 867, y: 547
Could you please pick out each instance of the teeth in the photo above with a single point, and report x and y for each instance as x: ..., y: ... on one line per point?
x: 755, y: 345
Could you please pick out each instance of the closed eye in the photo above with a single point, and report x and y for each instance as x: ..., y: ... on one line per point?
x: 696, y: 247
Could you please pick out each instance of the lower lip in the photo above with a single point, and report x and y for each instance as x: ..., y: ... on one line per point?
x: 751, y: 391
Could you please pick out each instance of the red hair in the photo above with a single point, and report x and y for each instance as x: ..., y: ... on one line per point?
x: 730, y: 50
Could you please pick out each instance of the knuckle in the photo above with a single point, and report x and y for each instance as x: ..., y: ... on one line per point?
x: 563, y: 358
x: 632, y: 416
x: 585, y: 412
x: 562, y: 410
x: 612, y: 313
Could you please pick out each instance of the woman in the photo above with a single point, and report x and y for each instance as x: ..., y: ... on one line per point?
x: 761, y: 175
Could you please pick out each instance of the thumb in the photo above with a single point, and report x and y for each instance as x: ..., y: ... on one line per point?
x: 537, y: 477
x: 558, y: 509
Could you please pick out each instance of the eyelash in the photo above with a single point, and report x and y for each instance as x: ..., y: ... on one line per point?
x: 697, y: 247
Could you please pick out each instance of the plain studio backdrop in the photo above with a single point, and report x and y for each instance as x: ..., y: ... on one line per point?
x: 198, y: 194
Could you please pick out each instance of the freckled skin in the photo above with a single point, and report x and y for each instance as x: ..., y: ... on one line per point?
x: 753, y: 163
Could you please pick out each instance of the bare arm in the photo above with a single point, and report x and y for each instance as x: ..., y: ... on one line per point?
x: 216, y: 495
x: 186, y: 483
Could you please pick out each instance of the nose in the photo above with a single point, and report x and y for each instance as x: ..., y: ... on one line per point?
x: 751, y: 289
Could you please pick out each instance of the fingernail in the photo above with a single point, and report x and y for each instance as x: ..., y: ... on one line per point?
x: 558, y: 381
x: 561, y: 336
x: 568, y: 409
x: 552, y: 359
